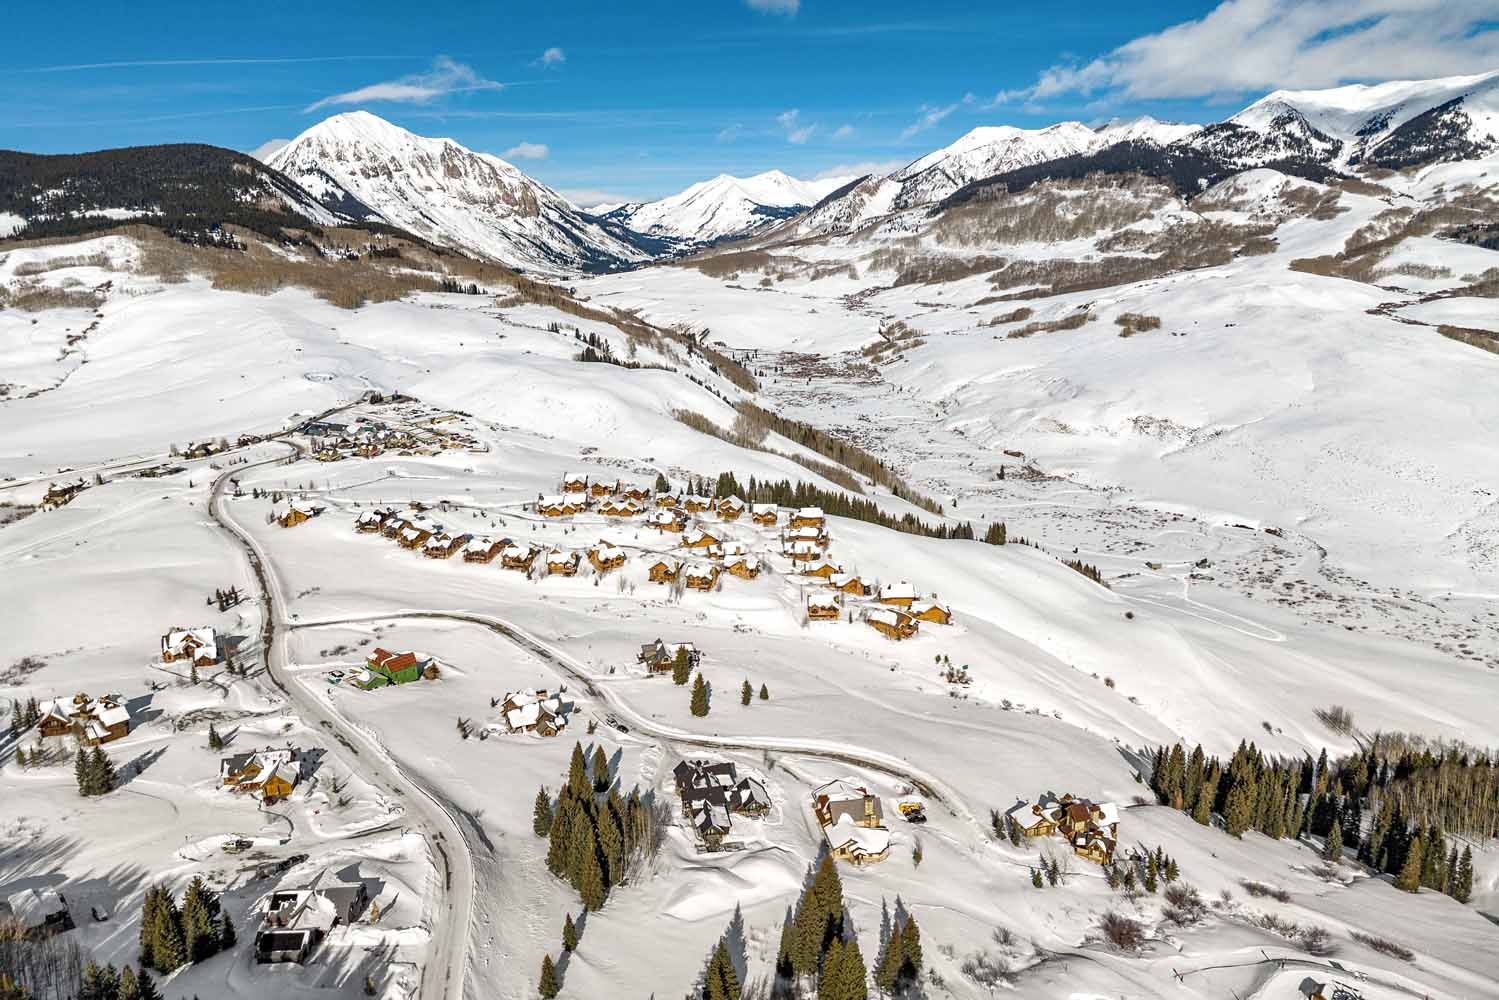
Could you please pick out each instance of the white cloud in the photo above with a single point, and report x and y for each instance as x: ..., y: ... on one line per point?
x: 843, y: 132
x: 730, y: 132
x: 552, y: 57
x: 787, y: 7
x: 878, y: 168
x: 445, y: 77
x: 796, y: 132
x: 932, y: 115
x: 526, y: 151
x: 269, y: 148
x: 1245, y: 46
x: 592, y: 197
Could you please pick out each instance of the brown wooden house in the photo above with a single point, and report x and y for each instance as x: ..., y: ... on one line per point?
x: 668, y: 519
x: 823, y: 607
x: 821, y: 568
x: 808, y: 517
x: 600, y: 488
x: 702, y: 576
x: 59, y: 495
x: 574, y: 483
x: 890, y: 623
x: 605, y: 557
x: 695, y: 504
x: 730, y: 508
x: 849, y: 583
x: 766, y: 515
x: 930, y: 611
x: 518, y: 557
x: 296, y: 513
x: 484, y: 550
x: 745, y: 567
x: 668, y: 499
x: 664, y: 570
x: 899, y: 595
x: 560, y: 563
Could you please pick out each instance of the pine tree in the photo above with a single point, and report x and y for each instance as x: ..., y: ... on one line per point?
x: 577, y: 773
x: 887, y: 971
x: 600, y: 770
x: 82, y: 774
x: 1237, y: 811
x: 130, y: 987
x: 215, y: 741
x: 1151, y: 875
x: 663, y: 485
x: 1333, y: 850
x: 910, y: 939
x: 591, y: 883
x: 145, y: 986
x: 1172, y: 872
x: 548, y: 987
x: 851, y: 979
x: 541, y: 813
x: 721, y: 981
x: 681, y: 667
x: 764, y: 693
x: 101, y: 772
x: 168, y: 946
x: 569, y: 934
x: 1409, y: 878
x: 1036, y: 878
x: 92, y: 988
x: 199, y: 931
x: 746, y: 693
x: 699, y: 697
x: 1462, y: 886
x: 784, y: 969
x: 148, y: 926
x: 227, y: 935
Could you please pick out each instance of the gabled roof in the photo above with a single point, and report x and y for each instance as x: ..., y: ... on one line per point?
x: 898, y: 590
x: 887, y: 616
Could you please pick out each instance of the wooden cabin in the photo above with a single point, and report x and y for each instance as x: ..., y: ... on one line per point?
x: 600, y: 488
x: 930, y: 611
x: 574, y: 483
x: 660, y: 657
x: 695, y: 504
x: 890, y: 623
x: 198, y: 645
x: 414, y: 536
x: 668, y: 499
x: 814, y: 536
x: 664, y: 570
x: 563, y: 506
x: 900, y: 595
x: 484, y: 550
x: 823, y: 607
x: 620, y: 507
x: 808, y: 517
x: 372, y: 521
x: 632, y: 491
x: 518, y: 557
x: 699, y: 539
x: 730, y: 508
x: 821, y: 568
x: 766, y: 515
x: 369, y: 449
x: 394, y: 525
x: 296, y: 513
x: 702, y: 576
x: 804, y: 552
x: 605, y: 557
x: 668, y: 519
x: 849, y: 583
x: 539, y: 712
x: 562, y: 563
x: 745, y: 567
x: 444, y: 546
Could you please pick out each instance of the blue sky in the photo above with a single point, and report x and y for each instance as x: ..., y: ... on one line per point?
x: 640, y: 99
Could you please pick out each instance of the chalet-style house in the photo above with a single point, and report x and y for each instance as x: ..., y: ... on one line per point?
x: 92, y: 722
x: 804, y: 551
x: 539, y: 712
x: 415, y: 534
x: 372, y: 521
x: 37, y: 913
x: 700, y: 539
x: 445, y: 546
x: 297, y: 920
x: 269, y: 774
x: 1090, y: 828
x: 823, y: 607
x: 563, y: 563
x: 59, y: 495
x: 518, y: 557
x: 821, y: 568
x: 198, y: 645
x: 730, y: 508
x: 667, y: 519
x: 599, y: 488
x: 712, y: 792
x: 891, y: 623
x: 386, y: 668
x: 605, y: 557
x: 852, y: 822
x: 664, y: 570
x: 816, y: 535
x: 702, y: 576
x: 574, y: 483
x: 808, y: 517
x: 659, y: 656
x: 745, y: 567
x: 766, y: 515
x: 633, y: 491
x: 849, y: 583
x: 620, y: 507
x: 930, y: 611
x: 326, y: 453
x: 296, y: 513
x: 900, y: 595
x: 369, y: 448
x: 563, y: 506
x: 694, y: 503
x: 668, y: 499
x: 484, y: 550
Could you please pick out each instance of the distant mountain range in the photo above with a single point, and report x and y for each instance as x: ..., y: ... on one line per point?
x: 360, y: 170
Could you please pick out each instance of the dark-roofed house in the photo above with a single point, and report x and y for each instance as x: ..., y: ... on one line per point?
x: 659, y: 656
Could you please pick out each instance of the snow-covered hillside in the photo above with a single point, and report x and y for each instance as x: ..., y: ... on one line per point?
x: 724, y: 207
x: 450, y: 195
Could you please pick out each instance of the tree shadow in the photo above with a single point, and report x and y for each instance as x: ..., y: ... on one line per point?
x: 136, y: 767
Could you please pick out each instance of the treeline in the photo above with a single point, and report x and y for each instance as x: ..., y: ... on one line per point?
x: 755, y: 442
x: 1392, y: 803
x: 598, y: 350
x: 171, y: 937
x: 597, y: 837
x: 849, y: 455
x: 800, y: 494
x: 1086, y: 569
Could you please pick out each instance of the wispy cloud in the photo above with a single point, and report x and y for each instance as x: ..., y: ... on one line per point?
x: 526, y: 151
x: 552, y: 57
x: 932, y: 115
x: 269, y: 148
x: 730, y: 132
x: 796, y: 132
x: 786, y: 7
x: 52, y: 121
x: 590, y: 197
x: 878, y: 168
x: 247, y: 61
x: 1256, y: 45
x: 447, y: 76
x: 843, y: 132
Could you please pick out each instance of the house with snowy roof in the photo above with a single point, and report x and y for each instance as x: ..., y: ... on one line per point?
x: 892, y: 623
x: 712, y: 792
x: 765, y: 515
x: 38, y: 912
x: 696, y: 503
x: 667, y: 519
x: 444, y: 545
x: 372, y: 521
x: 931, y: 611
x: 852, y: 821
x: 296, y: 920
x: 659, y: 656
x: 574, y: 482
x: 518, y: 557
x: 702, y: 576
x: 598, y: 488
x: 664, y: 570
x: 605, y: 557
x: 697, y: 538
x: 823, y: 606
x: 808, y: 517
x: 57, y: 495
x: 296, y: 512
x: 540, y: 712
x: 92, y: 722
x: 271, y: 774
x: 744, y: 566
x: 484, y: 549
x: 620, y: 507
x: 198, y: 645
x: 901, y: 595
x: 730, y: 508
x: 1090, y: 828
x: 386, y: 668
x: 562, y: 562
x: 849, y: 583
x: 820, y: 567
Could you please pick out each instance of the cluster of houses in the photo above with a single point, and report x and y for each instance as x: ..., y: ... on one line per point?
x: 712, y: 793
x: 198, y: 646
x: 415, y: 530
x: 1091, y: 828
x: 852, y: 821
x: 541, y: 712
x: 334, y: 442
x: 269, y: 775
x: 296, y: 920
x: 91, y: 721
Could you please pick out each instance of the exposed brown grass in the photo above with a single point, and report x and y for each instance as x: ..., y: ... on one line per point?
x: 1132, y: 323
x: 58, y: 263
x: 1069, y: 322
x: 33, y: 296
x: 1052, y: 211
x: 1484, y: 340
x: 1013, y: 316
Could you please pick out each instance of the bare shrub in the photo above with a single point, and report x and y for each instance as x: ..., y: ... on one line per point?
x: 32, y: 267
x: 1337, y: 718
x: 986, y: 969
x: 1070, y: 322
x: 1052, y: 211
x: 1013, y: 316
x: 1184, y: 904
x: 1287, y: 929
x: 1124, y: 933
x: 33, y: 296
x: 1316, y: 941
x: 1132, y: 323
x: 1385, y: 946
x: 1261, y: 890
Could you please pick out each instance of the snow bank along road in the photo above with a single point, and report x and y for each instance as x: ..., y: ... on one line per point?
x: 433, y: 815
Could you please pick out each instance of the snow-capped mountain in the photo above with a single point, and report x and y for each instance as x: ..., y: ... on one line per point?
x: 364, y: 167
x: 724, y: 207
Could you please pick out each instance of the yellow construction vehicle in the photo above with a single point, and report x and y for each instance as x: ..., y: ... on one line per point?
x: 913, y: 811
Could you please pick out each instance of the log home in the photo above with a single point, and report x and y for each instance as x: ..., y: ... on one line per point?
x: 891, y: 623
x: 849, y: 583
x: 605, y: 557
x: 900, y: 595
x: 599, y: 488
x: 536, y: 712
x: 562, y: 563
x: 518, y: 557
x: 930, y: 611
x: 664, y: 570
x: 445, y: 546
x: 744, y: 567
x: 699, y: 539
x: 574, y: 483
x: 852, y: 822
x: 198, y: 645
x: 808, y: 517
x: 620, y: 507
x: 766, y: 515
x: 730, y: 508
x: 695, y: 504
x: 484, y: 550
x: 702, y: 576
x: 59, y: 495
x: 820, y: 568
x: 667, y: 499
x: 668, y: 519
x: 823, y: 607
x: 296, y: 513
